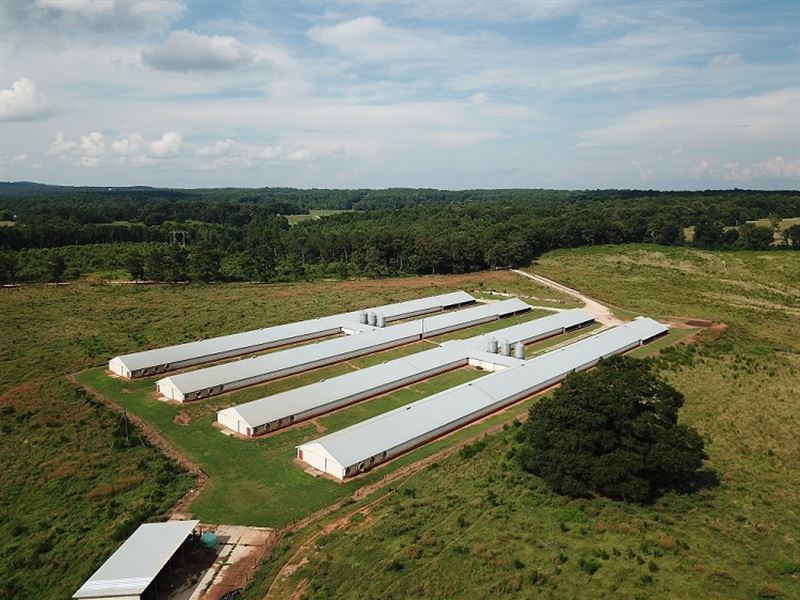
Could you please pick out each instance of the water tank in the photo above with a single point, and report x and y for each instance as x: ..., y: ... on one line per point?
x: 208, y: 539
x: 362, y: 317
x: 505, y: 349
x: 493, y: 345
x: 519, y: 350
x: 371, y: 318
x: 380, y: 321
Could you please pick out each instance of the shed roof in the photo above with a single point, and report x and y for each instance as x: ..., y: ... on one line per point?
x: 368, y: 438
x: 276, y: 362
x: 298, y: 400
x: 288, y: 331
x: 136, y: 563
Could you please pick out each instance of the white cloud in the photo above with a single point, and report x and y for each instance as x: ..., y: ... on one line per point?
x: 768, y: 118
x: 168, y: 146
x: 104, y: 15
x: 369, y: 39
x: 300, y: 155
x: 721, y: 61
x: 189, y: 51
x: 780, y: 167
x: 21, y: 157
x: 93, y: 145
x: 775, y: 168
x: 60, y: 146
x: 132, y: 145
x: 271, y: 153
x: 219, y: 148
x: 23, y: 102
x: 80, y: 8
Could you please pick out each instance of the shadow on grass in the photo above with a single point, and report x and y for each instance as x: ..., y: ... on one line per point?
x: 700, y: 480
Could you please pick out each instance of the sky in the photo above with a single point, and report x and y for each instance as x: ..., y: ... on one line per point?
x: 453, y: 95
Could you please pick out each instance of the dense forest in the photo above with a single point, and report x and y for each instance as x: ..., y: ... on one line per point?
x: 51, y: 233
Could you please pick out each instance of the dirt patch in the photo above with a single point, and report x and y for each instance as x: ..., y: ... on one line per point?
x: 300, y: 590
x: 182, y: 418
x: 241, y: 562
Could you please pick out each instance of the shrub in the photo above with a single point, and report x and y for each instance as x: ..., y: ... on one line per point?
x: 589, y: 565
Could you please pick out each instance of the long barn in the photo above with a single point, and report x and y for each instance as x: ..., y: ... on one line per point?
x: 237, y: 374
x: 279, y: 410
x: 364, y: 445
x: 161, y: 360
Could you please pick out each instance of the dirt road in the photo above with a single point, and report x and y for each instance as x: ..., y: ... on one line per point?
x: 600, y: 312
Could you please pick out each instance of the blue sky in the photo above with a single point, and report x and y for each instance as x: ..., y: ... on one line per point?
x: 569, y: 94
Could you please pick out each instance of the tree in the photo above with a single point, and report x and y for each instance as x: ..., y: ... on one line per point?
x: 8, y: 267
x: 707, y: 234
x: 154, y: 264
x: 755, y: 237
x: 134, y: 262
x: 612, y: 431
x: 793, y: 233
x: 57, y: 267
x: 204, y: 262
x: 665, y: 230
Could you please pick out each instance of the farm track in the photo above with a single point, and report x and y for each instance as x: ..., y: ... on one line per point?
x: 600, y: 312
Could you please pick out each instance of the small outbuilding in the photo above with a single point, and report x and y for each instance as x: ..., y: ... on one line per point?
x: 132, y: 569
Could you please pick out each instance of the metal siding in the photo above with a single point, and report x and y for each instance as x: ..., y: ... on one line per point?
x: 399, y: 429
x: 278, y: 364
x: 321, y: 397
x: 201, y: 351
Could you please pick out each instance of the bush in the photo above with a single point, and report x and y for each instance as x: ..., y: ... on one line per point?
x: 589, y: 565
x: 470, y: 450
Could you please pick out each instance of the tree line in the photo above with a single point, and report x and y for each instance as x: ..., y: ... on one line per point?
x: 244, y: 235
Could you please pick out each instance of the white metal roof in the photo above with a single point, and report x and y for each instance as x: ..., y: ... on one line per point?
x: 136, y: 563
x: 369, y: 438
x: 275, y: 335
x: 298, y: 400
x: 275, y: 362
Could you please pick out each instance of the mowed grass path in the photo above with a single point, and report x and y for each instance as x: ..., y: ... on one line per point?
x: 481, y: 528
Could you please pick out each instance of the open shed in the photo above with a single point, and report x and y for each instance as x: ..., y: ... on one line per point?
x: 132, y: 569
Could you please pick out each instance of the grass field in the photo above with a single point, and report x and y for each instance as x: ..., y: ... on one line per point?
x: 314, y: 213
x: 481, y: 528
x: 76, y: 478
